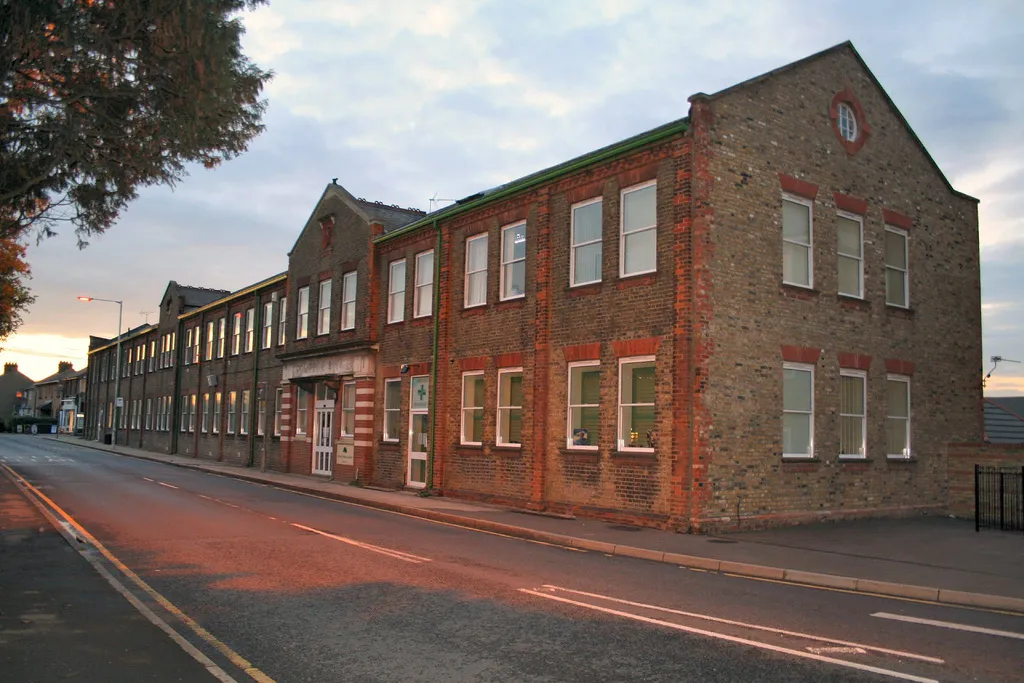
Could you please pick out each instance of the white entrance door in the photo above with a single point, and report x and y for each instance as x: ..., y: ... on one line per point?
x: 419, y: 431
x: 323, y: 441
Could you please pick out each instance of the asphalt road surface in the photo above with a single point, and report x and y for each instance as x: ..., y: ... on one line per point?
x: 277, y: 586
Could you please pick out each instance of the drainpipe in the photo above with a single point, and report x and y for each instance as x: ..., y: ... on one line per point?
x: 433, y: 365
x: 257, y: 327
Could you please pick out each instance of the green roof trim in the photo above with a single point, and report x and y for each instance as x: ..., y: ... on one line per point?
x: 650, y: 137
x: 145, y: 329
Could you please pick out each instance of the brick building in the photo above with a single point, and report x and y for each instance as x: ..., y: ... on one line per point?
x: 732, y: 319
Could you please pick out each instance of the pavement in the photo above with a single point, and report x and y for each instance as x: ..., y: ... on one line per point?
x: 937, y: 559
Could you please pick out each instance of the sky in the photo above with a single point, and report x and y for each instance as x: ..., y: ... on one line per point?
x: 403, y: 101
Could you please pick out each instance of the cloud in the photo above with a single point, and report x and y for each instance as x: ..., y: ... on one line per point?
x: 402, y: 99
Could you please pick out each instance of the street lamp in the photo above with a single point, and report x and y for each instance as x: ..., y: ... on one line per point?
x: 117, y: 369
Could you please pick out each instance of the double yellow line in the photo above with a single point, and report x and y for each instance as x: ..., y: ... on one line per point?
x: 48, y: 504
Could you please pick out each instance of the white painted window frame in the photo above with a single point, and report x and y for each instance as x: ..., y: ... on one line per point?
x: 573, y: 246
x: 396, y: 316
x: 802, y: 367
x: 349, y: 282
x: 570, y: 405
x: 323, y: 302
x: 423, y: 289
x: 250, y: 329
x: 845, y: 113
x: 302, y: 317
x: 244, y: 409
x: 267, y: 333
x: 503, y: 372
x: 502, y: 278
x: 386, y: 434
x: 218, y: 399
x: 462, y: 421
x: 859, y: 220
x: 278, y: 401
x: 204, y: 418
x: 465, y: 283
x: 906, y: 271
x: 348, y: 411
x: 236, y: 333
x: 906, y: 380
x: 863, y: 415
x: 809, y: 204
x: 232, y: 425
x: 282, y: 321
x: 623, y: 233
x: 621, y: 445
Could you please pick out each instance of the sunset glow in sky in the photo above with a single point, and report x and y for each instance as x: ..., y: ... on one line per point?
x: 406, y: 100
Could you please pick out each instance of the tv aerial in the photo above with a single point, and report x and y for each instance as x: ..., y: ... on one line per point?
x: 996, y: 360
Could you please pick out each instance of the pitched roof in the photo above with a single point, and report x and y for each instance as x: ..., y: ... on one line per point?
x: 847, y: 45
x: 58, y: 377
x: 391, y: 217
x: 14, y: 379
x: 194, y: 297
x: 1003, y: 425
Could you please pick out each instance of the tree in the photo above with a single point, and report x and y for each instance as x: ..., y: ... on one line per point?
x: 14, y: 295
x: 101, y: 97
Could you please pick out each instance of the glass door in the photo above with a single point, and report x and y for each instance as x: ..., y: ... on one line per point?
x: 419, y: 431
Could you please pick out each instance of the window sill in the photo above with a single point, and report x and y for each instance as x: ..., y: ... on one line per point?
x: 799, y: 291
x: 847, y: 459
x: 511, y: 303
x: 637, y: 280
x: 899, y: 311
x: 588, y: 289
x: 580, y: 453
x: 853, y: 302
x: 509, y: 447
x: 800, y: 458
x: 387, y: 443
x: 395, y: 322
x: 471, y: 446
x: 634, y: 457
x: 900, y: 458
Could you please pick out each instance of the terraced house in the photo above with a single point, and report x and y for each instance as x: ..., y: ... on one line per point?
x: 764, y: 312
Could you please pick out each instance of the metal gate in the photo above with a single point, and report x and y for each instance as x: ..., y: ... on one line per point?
x: 998, y: 498
x: 323, y: 441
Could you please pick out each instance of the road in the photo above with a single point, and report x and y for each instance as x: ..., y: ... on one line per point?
x: 304, y: 589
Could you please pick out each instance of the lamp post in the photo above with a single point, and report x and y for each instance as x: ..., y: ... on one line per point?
x: 117, y: 369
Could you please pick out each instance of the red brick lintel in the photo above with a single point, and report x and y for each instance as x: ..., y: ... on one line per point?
x: 800, y: 354
x: 897, y: 219
x: 636, y: 347
x: 798, y: 187
x: 854, y: 361
x: 475, y: 363
x: 896, y: 366
x: 582, y: 352
x: 509, y: 360
x: 845, y: 202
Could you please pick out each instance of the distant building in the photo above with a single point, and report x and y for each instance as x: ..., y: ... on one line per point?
x: 14, y: 393
x: 768, y: 310
x: 47, y: 394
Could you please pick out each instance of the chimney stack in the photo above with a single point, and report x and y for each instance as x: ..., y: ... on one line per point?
x: 10, y: 367
x: 64, y: 366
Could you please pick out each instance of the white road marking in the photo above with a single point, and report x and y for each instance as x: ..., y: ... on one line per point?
x: 950, y: 624
x: 170, y: 486
x: 397, y: 554
x: 758, y: 627
x: 735, y: 639
x: 148, y: 479
x: 837, y: 650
